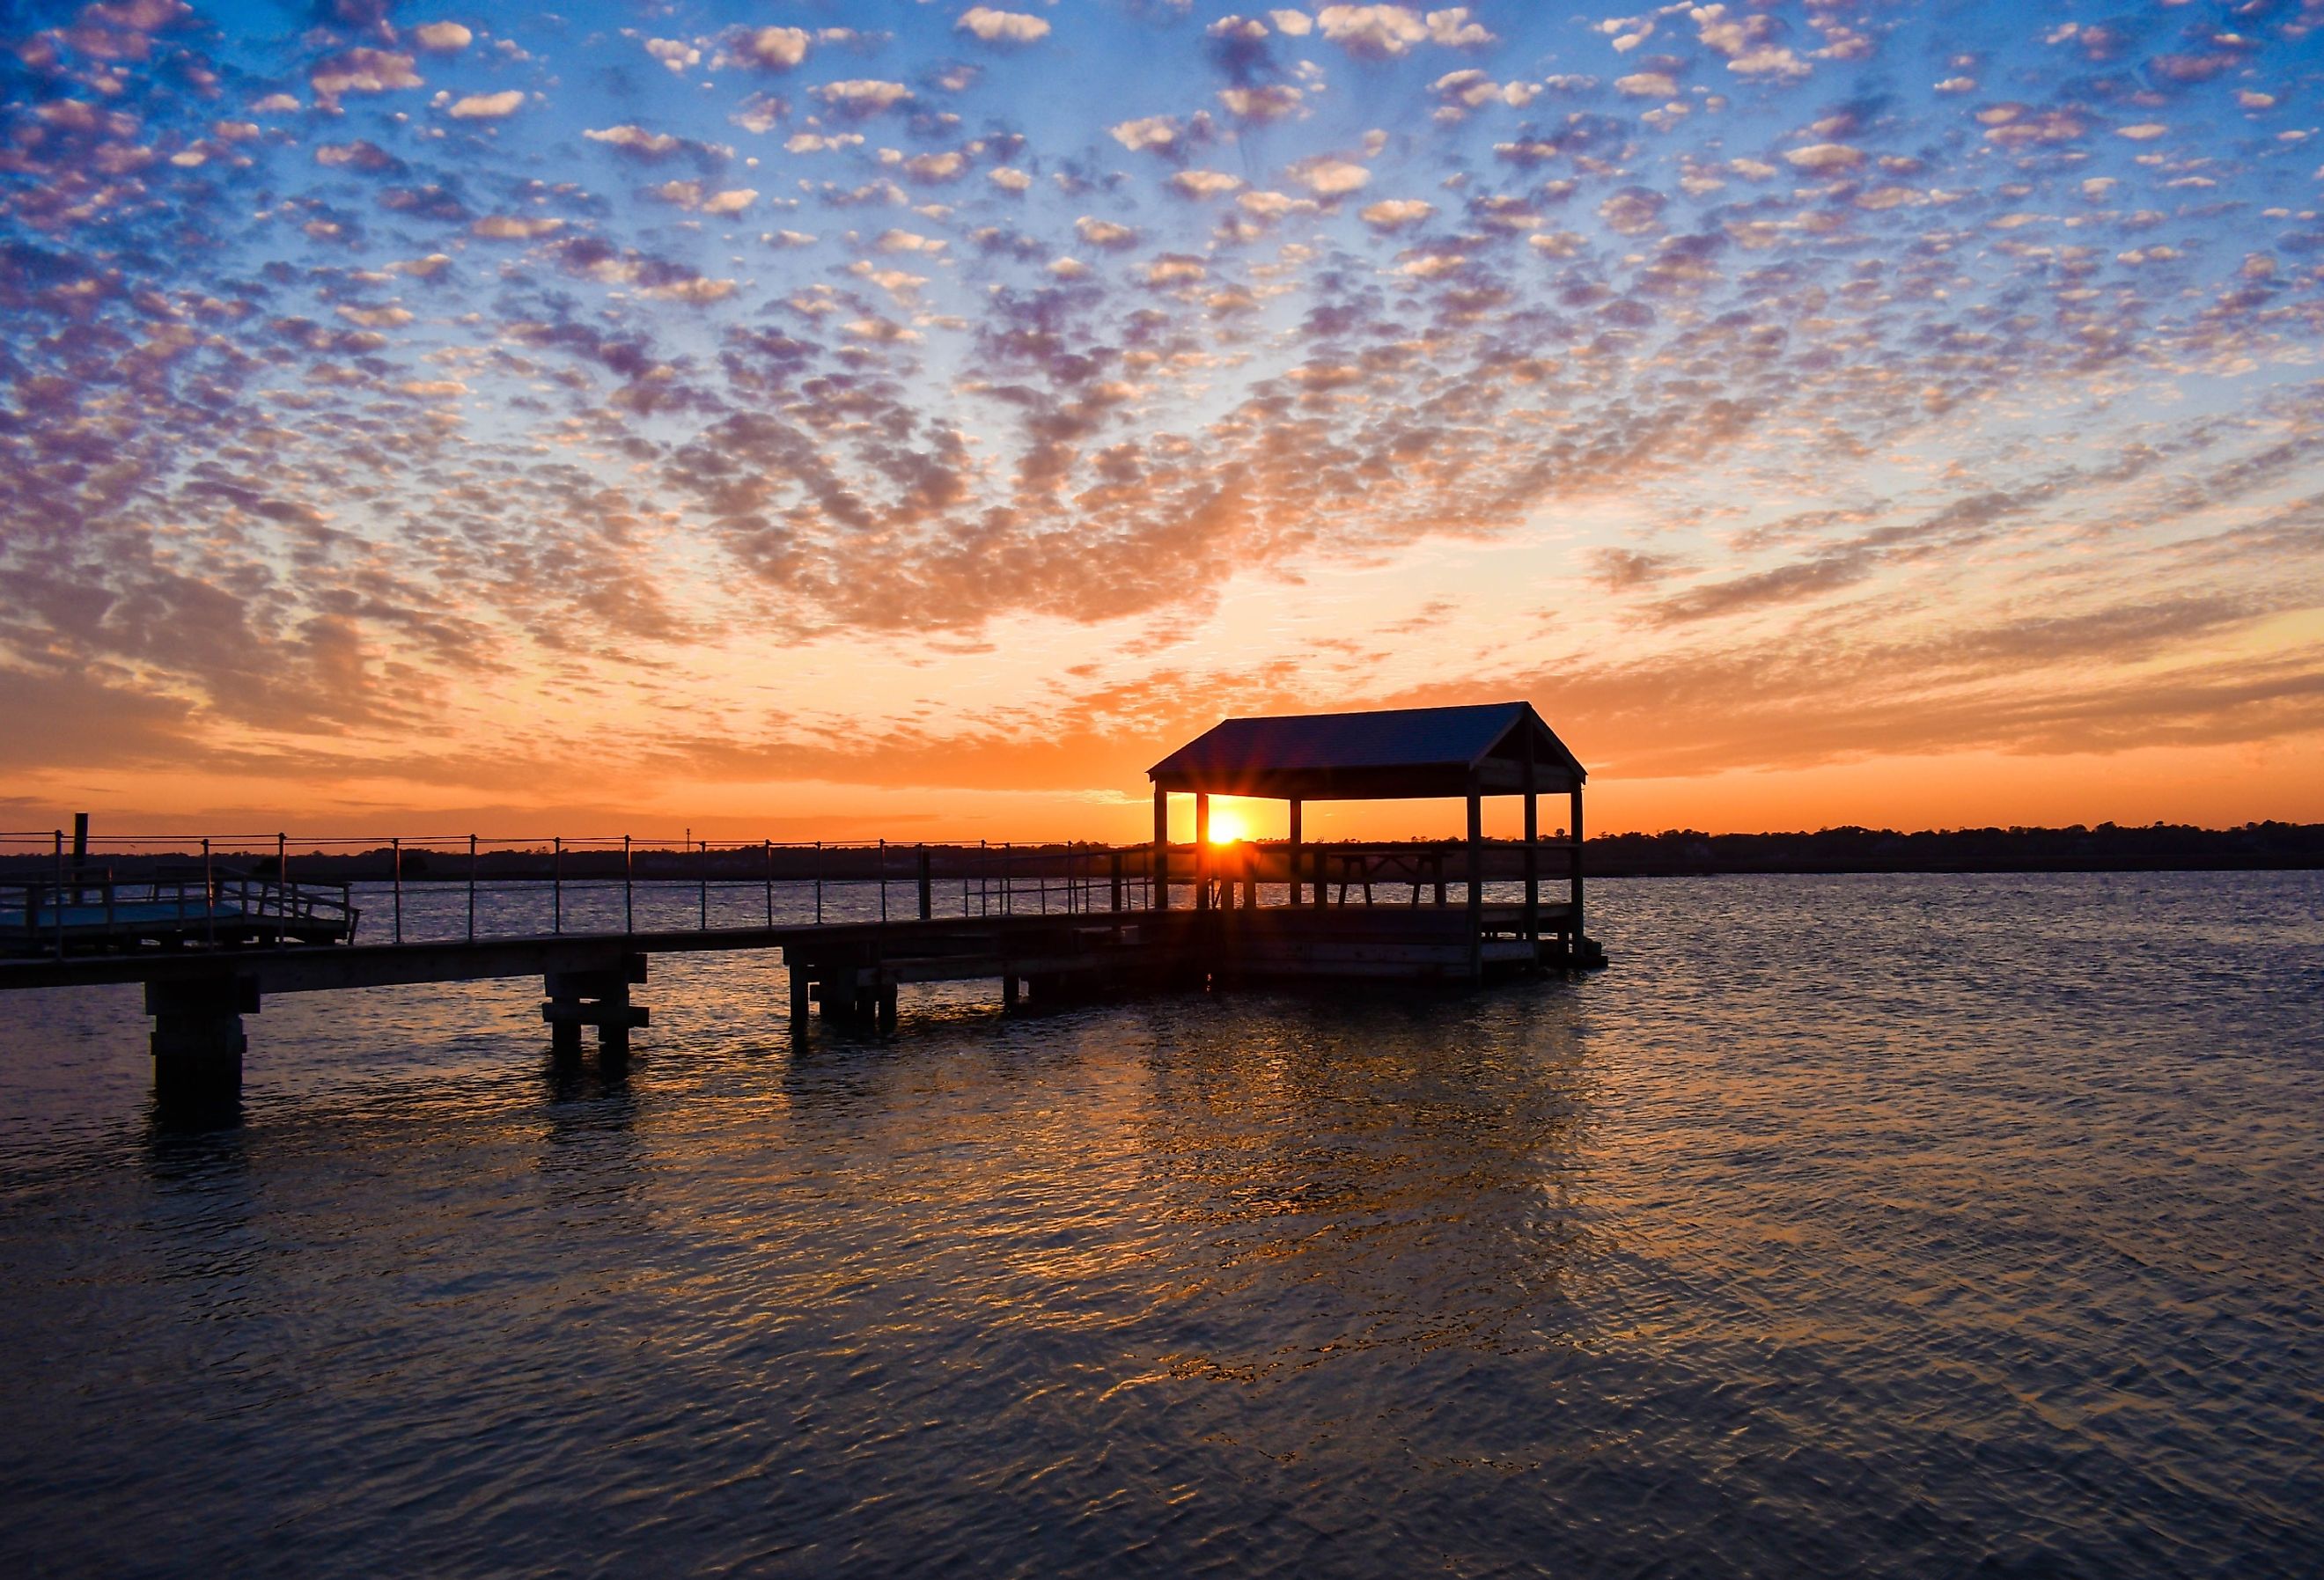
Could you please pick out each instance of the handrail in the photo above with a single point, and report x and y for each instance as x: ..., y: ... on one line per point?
x: 233, y: 891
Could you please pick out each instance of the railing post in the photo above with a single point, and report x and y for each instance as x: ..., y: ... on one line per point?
x: 557, y: 885
x: 818, y: 882
x: 60, y: 894
x: 927, y: 886
x: 766, y: 861
x: 472, y: 888
x: 702, y: 878
x: 209, y: 900
x: 883, y: 883
x: 629, y: 891
x: 1116, y: 876
x: 282, y: 890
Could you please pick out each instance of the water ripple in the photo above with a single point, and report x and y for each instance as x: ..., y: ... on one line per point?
x: 1926, y: 1225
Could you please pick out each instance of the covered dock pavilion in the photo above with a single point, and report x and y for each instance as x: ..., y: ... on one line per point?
x: 1459, y: 754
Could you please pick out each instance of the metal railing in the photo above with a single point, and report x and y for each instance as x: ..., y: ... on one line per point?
x: 228, y: 888
x: 96, y: 908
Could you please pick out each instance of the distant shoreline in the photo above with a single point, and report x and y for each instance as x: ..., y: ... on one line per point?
x: 2105, y: 848
x: 1801, y: 870
x: 1681, y: 853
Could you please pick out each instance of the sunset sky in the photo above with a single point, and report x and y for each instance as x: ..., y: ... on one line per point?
x: 843, y: 420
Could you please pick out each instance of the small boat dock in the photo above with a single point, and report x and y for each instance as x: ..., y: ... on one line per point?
x: 211, y: 939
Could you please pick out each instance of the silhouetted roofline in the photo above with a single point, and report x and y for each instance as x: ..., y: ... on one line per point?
x: 1390, y: 754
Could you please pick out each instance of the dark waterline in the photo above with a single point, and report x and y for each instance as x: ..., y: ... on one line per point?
x: 1922, y: 1224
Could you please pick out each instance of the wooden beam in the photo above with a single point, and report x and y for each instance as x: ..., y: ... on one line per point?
x: 1476, y: 882
x: 1161, y: 848
x: 1291, y: 868
x: 1576, y: 832
x: 1532, y: 836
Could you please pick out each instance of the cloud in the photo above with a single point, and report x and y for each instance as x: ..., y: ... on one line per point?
x: 1147, y: 132
x: 443, y: 38
x: 862, y: 97
x: 1633, y: 210
x: 1384, y: 32
x: 1396, y: 213
x: 362, y: 71
x: 1264, y: 103
x: 1624, y: 570
x: 288, y: 459
x: 1104, y: 234
x: 1329, y: 176
x: 1002, y: 27
x: 772, y: 48
x: 637, y: 140
x: 1820, y: 157
x: 510, y: 227
x: 488, y: 107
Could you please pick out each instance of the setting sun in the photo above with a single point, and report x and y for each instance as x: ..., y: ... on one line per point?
x: 1227, y: 827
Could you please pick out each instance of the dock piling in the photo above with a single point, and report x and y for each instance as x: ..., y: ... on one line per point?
x: 599, y: 998
x: 198, y: 1040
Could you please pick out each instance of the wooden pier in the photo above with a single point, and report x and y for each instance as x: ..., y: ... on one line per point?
x: 210, y: 951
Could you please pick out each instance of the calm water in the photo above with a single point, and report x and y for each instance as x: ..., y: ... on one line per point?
x: 1930, y: 1226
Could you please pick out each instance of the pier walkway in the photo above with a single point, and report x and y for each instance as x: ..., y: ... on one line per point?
x: 1368, y: 917
x: 212, y: 932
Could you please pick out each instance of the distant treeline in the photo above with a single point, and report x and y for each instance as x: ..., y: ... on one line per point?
x: 2108, y: 847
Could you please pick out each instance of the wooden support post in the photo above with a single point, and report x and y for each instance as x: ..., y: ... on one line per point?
x: 1114, y: 876
x: 1321, y: 898
x: 1291, y: 866
x: 1475, y: 880
x: 1249, y: 876
x: 1202, y: 851
x: 198, y: 1040
x: 799, y: 994
x: 1532, y: 855
x: 575, y: 999
x: 1161, y: 848
x: 927, y: 888
x: 887, y: 1012
x: 1009, y: 989
x: 1576, y: 833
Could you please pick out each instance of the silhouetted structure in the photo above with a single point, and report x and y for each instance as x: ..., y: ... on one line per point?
x: 210, y: 947
x: 1467, y: 754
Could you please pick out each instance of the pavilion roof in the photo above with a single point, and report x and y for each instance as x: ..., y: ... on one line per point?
x: 1386, y: 754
